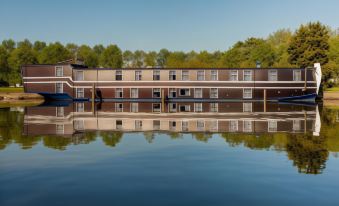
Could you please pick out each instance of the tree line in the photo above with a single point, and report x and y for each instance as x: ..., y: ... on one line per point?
x: 310, y: 43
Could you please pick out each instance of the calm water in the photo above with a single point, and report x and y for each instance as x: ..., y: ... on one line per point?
x: 243, y: 155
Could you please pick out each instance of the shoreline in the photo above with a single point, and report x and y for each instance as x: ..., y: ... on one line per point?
x: 8, y: 99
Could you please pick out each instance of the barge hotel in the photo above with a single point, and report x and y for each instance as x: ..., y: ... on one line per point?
x: 79, y: 83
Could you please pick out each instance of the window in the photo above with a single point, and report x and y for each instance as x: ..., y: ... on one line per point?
x: 79, y: 124
x: 60, y: 112
x: 59, y: 129
x: 118, y: 93
x: 79, y: 76
x: 59, y: 88
x: 172, y: 125
x: 234, y: 75
x: 134, y: 93
x: 156, y: 107
x: 59, y: 71
x: 272, y: 125
x: 247, y: 106
x: 200, y: 75
x: 214, y: 125
x: 118, y: 124
x: 272, y: 75
x: 119, y: 107
x: 172, y: 107
x: 247, y: 126
x: 118, y: 75
x: 156, y: 75
x: 200, y: 125
x: 197, y: 92
x: 198, y: 107
x: 247, y: 93
x: 172, y: 75
x: 214, y: 107
x: 156, y: 124
x: 172, y: 93
x: 296, y: 125
x: 138, y: 124
x: 233, y: 126
x: 80, y: 107
x: 156, y: 93
x: 134, y: 107
x: 214, y: 75
x: 137, y: 75
x: 184, y: 126
x: 247, y: 75
x: 184, y: 92
x: 214, y: 93
x: 185, y: 108
x: 80, y: 93
x: 296, y: 75
x: 184, y: 75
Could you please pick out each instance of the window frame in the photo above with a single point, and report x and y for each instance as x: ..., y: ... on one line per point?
x: 137, y: 93
x: 203, y: 71
x: 270, y: 76
x: 56, y: 71
x: 138, y: 77
x: 134, y: 107
x: 299, y: 76
x: 217, y: 94
x: 216, y: 75
x: 195, y: 94
x: 156, y: 75
x: 77, y: 92
x: 231, y: 75
x: 215, y: 107
x: 186, y: 95
x: 61, y: 87
x: 122, y: 77
x: 172, y: 77
x: 243, y: 93
x: 122, y: 93
x: 82, y: 76
x: 153, y: 92
x: 182, y: 75
x: 251, y: 72
x: 198, y: 107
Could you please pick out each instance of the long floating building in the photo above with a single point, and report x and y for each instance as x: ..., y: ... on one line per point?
x: 80, y: 83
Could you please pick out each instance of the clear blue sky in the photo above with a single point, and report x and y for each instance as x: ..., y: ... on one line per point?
x: 154, y: 24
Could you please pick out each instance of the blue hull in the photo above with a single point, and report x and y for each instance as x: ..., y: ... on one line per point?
x: 302, y: 98
x: 56, y: 96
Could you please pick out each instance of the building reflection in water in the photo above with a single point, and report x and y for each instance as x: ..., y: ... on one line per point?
x: 293, y: 129
x: 243, y: 117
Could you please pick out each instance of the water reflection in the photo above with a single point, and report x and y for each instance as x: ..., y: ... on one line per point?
x: 294, y: 129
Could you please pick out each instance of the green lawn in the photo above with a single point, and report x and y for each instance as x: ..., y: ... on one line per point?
x: 11, y: 89
x: 333, y: 89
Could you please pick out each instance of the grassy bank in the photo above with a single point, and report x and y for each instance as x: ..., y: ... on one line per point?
x: 11, y: 89
x: 333, y: 89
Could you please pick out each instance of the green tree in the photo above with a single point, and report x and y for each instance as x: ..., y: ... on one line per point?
x: 98, y: 49
x: 54, y: 53
x: 162, y: 57
x: 111, y: 57
x: 38, y: 46
x: 309, y: 45
x: 139, y: 58
x: 4, y: 69
x: 23, y: 54
x: 9, y: 45
x: 151, y: 59
x: 128, y: 58
x: 88, y: 55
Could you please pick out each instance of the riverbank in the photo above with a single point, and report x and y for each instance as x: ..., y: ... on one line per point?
x: 331, y: 98
x: 19, y: 99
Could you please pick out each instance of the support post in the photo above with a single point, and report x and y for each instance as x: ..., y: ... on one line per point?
x: 305, y: 84
x: 265, y: 99
x: 93, y: 98
x: 162, y: 100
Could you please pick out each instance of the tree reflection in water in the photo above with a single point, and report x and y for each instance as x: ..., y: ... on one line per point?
x: 307, y: 152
